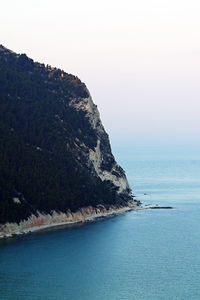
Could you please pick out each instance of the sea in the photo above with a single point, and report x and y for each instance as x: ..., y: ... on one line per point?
x: 139, y: 255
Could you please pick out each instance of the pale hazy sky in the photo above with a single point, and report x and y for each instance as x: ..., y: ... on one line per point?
x: 140, y: 59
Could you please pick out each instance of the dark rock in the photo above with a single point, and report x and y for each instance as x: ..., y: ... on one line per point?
x: 161, y: 207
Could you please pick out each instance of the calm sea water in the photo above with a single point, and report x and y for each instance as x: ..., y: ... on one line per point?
x: 153, y: 254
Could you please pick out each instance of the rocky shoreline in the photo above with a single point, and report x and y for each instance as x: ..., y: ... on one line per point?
x: 43, y: 221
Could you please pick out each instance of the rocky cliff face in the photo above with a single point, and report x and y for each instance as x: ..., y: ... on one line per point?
x: 100, y: 159
x: 55, y: 153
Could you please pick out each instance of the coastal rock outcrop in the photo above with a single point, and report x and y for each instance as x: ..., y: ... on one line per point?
x: 56, y: 161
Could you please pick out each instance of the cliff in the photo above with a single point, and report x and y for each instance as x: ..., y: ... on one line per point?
x: 55, y: 156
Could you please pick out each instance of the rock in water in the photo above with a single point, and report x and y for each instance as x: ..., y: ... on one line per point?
x: 55, y: 154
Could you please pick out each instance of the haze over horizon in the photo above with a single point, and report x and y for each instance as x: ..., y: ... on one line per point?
x: 139, y: 59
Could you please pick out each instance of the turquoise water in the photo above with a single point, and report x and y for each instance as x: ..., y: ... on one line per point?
x: 153, y: 254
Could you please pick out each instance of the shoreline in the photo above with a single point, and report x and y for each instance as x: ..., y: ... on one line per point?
x: 46, y: 221
x: 82, y: 216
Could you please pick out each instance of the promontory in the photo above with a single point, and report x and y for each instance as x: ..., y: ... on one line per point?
x: 56, y: 164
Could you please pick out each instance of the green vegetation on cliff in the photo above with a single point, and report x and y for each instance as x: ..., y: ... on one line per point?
x: 39, y: 166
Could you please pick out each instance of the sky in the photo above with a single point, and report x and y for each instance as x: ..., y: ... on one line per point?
x: 139, y: 59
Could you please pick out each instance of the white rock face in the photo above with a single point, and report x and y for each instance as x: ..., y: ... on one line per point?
x: 87, y: 105
x: 97, y: 156
x: 16, y: 200
x: 119, y: 181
